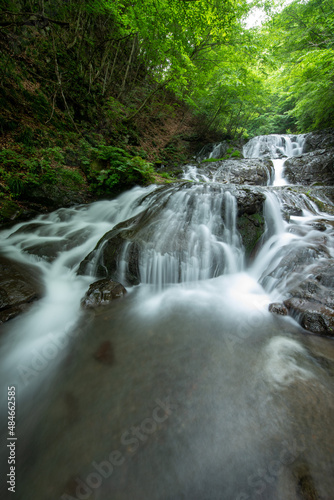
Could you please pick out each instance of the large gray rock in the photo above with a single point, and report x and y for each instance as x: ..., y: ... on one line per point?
x: 321, y: 139
x: 316, y: 167
x: 292, y: 264
x: 249, y: 200
x: 20, y: 285
x: 252, y: 171
x: 250, y: 218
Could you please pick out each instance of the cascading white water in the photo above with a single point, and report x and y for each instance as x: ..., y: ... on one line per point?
x: 275, y: 146
x: 203, y: 393
x: 279, y: 179
x: 194, y: 237
x: 55, y: 244
x: 191, y: 174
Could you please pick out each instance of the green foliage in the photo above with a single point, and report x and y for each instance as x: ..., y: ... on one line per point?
x: 114, y: 56
x: 20, y: 172
x: 122, y: 170
x: 300, y: 42
x: 166, y: 175
x: 102, y: 63
x: 114, y: 109
x: 213, y: 160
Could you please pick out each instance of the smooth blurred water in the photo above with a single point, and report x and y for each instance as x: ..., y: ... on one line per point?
x: 188, y: 388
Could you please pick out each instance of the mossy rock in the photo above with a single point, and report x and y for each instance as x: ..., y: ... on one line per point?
x: 251, y: 228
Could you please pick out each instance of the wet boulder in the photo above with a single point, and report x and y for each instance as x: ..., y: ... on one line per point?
x: 316, y: 167
x: 311, y: 301
x: 312, y: 316
x: 278, y: 308
x: 291, y: 267
x: 20, y: 285
x: 323, y: 273
x: 251, y: 229
x: 250, y: 217
x: 291, y: 210
x: 102, y: 293
x: 252, y: 171
x: 104, y: 260
x: 249, y: 201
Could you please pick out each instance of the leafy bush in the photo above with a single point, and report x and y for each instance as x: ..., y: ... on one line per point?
x: 123, y: 170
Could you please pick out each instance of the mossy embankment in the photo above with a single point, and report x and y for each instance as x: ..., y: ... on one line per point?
x: 46, y: 165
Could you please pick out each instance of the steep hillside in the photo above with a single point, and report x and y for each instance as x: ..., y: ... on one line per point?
x: 81, y: 115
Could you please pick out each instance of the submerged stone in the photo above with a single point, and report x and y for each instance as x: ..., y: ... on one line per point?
x: 102, y: 293
x: 105, y: 353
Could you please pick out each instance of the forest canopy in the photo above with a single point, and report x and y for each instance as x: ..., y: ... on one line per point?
x: 121, y: 55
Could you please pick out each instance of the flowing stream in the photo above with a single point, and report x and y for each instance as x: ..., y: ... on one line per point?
x: 188, y: 388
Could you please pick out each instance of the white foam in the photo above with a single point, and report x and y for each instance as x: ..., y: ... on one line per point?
x: 281, y: 361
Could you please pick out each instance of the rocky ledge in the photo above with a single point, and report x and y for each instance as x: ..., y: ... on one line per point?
x: 251, y: 171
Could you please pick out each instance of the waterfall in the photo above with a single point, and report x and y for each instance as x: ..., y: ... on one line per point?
x: 275, y: 147
x: 194, y: 237
x: 188, y: 387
